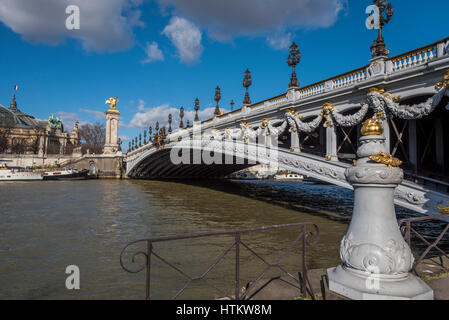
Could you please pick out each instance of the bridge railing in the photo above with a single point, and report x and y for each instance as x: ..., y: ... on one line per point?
x: 306, y: 237
x: 432, y: 243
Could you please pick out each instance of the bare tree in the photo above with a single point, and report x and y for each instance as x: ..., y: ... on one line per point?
x: 6, y: 126
x: 92, y: 137
x: 34, y: 144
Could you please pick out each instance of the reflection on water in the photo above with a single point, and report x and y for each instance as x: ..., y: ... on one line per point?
x: 46, y: 226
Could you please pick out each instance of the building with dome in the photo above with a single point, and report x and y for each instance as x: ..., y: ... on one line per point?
x: 23, y: 134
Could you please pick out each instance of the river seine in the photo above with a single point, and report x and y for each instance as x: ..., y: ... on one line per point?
x: 47, y: 226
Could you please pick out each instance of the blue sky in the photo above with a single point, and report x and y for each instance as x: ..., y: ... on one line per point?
x: 158, y: 55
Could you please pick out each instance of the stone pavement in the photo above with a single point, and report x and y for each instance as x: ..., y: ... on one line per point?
x: 432, y: 271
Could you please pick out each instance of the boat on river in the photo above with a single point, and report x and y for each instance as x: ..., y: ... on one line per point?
x: 66, y: 174
x: 289, y: 176
x: 18, y: 174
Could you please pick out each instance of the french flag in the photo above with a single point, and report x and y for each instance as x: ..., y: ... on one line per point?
x: 16, y: 88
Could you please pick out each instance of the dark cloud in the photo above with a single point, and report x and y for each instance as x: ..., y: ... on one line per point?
x: 227, y: 19
x: 106, y: 25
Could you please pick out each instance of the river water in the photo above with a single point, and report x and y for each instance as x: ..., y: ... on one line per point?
x: 47, y: 226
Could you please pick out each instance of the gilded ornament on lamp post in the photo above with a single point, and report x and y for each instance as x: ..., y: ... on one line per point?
x: 170, y: 119
x: 386, y: 12
x: 293, y: 59
x: 217, y: 99
x: 181, y: 115
x: 247, y: 81
x: 112, y: 103
x: 232, y: 105
x: 197, y: 107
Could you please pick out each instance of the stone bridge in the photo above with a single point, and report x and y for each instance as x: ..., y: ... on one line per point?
x: 315, y: 130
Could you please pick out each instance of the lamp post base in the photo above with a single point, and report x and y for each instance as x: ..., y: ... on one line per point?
x: 358, y: 285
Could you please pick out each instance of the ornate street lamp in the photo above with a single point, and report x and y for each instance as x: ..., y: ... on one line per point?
x: 140, y: 139
x: 170, y: 119
x: 129, y: 146
x: 247, y: 81
x: 232, y: 105
x: 197, y: 107
x: 217, y: 98
x: 150, y: 131
x: 145, y: 137
x: 386, y: 12
x: 181, y: 115
x: 293, y: 59
x: 156, y: 128
x: 132, y: 148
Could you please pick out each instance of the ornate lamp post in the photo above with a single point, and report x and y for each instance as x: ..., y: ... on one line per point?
x: 217, y: 98
x: 157, y: 127
x: 129, y: 146
x: 232, y: 105
x: 145, y: 137
x: 197, y: 107
x: 170, y: 119
x: 293, y: 59
x: 132, y: 145
x: 181, y: 115
x: 140, y: 139
x: 386, y: 12
x: 150, y: 131
x: 247, y: 81
x: 376, y: 261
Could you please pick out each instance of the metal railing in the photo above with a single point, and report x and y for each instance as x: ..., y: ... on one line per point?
x: 306, y: 237
x: 408, y: 231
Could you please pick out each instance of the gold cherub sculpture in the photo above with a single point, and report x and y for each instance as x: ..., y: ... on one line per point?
x: 112, y: 103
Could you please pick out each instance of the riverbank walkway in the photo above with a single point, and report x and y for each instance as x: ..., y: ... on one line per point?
x: 433, y: 271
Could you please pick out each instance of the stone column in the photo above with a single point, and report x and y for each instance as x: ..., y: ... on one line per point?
x: 331, y: 144
x: 375, y: 258
x: 111, y: 143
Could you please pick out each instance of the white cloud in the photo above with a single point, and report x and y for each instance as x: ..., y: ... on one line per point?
x: 68, y: 119
x: 149, y: 116
x: 105, y: 25
x: 98, y: 115
x: 225, y: 20
x: 141, y: 105
x: 153, y: 53
x: 186, y: 37
x: 280, y: 41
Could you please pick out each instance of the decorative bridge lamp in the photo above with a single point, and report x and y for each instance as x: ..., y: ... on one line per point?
x: 232, y: 105
x: 197, y: 107
x: 181, y: 115
x: 386, y: 12
x: 293, y: 59
x: 247, y: 81
x: 217, y: 99
x: 170, y: 119
x: 150, y: 132
x: 376, y: 261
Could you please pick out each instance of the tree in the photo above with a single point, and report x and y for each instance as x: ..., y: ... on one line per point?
x: 38, y: 133
x: 92, y: 137
x: 6, y: 126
